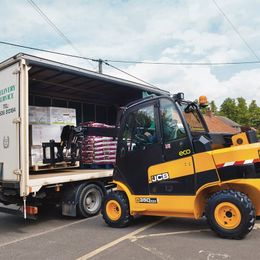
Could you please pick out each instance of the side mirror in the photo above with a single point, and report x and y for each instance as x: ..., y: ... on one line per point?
x: 179, y: 96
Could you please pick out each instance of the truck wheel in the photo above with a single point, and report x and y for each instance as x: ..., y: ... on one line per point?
x: 90, y: 201
x: 230, y: 214
x: 115, y: 210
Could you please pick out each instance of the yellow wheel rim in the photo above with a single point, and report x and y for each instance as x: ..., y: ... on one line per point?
x: 227, y: 215
x: 113, y: 210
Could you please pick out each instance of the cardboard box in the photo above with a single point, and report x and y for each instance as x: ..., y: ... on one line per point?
x: 36, y: 155
x: 46, y: 124
x: 52, y: 116
x: 62, y: 116
x: 44, y: 133
x: 39, y: 115
x: 41, y: 134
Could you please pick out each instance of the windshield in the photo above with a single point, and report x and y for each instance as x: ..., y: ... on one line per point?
x: 191, y: 114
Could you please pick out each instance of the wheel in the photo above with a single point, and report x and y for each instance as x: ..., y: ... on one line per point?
x: 115, y: 210
x: 230, y: 214
x: 90, y: 201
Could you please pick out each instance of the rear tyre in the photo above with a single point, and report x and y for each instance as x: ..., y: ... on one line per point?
x: 230, y: 214
x: 90, y: 201
x: 115, y: 210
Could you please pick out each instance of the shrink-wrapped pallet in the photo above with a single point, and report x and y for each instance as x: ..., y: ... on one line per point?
x: 98, y: 150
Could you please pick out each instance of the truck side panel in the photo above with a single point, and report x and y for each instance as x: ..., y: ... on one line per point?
x: 10, y: 128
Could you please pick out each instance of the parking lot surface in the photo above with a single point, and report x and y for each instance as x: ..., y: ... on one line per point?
x: 56, y: 237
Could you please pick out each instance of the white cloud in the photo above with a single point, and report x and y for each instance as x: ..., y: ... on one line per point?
x: 196, y: 81
x: 165, y: 31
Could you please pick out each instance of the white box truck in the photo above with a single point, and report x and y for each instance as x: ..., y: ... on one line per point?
x: 27, y: 80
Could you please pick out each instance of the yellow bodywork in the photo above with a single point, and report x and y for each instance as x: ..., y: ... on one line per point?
x: 236, y: 153
x: 239, y: 139
x: 178, y: 206
x: 175, y: 169
x: 193, y: 206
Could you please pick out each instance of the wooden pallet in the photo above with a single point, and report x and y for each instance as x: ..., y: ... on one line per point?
x: 97, y: 166
x: 57, y: 166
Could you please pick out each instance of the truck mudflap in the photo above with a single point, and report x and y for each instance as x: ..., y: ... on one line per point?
x: 72, y: 197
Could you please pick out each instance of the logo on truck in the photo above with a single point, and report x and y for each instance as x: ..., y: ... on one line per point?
x: 185, y: 152
x: 6, y: 97
x: 160, y: 177
x: 6, y: 142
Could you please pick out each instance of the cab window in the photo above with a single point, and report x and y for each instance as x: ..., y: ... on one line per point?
x: 172, y: 126
x: 192, y: 117
x: 140, y: 129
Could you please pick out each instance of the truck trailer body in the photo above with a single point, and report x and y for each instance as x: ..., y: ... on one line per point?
x: 27, y: 80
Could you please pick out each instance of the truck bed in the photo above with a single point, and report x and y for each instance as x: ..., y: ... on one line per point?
x: 36, y: 181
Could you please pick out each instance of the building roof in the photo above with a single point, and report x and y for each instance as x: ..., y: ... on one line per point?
x: 217, y: 125
x: 229, y: 121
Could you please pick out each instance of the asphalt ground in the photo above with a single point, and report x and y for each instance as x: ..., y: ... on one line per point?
x: 55, y: 237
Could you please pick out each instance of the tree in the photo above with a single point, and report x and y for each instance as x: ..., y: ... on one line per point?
x: 213, y: 107
x: 242, y: 112
x: 229, y: 109
x: 254, y: 114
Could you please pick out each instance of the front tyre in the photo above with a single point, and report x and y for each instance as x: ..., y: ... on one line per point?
x: 115, y: 210
x: 230, y: 214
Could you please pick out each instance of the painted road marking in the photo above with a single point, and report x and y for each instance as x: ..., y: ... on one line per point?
x: 119, y: 240
x: 131, y: 236
x: 154, y: 251
x: 257, y: 226
x: 211, y: 255
x: 45, y: 232
x: 134, y: 238
x: 170, y: 233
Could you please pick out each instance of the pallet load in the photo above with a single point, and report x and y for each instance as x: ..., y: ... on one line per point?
x: 96, y: 150
x: 45, y: 124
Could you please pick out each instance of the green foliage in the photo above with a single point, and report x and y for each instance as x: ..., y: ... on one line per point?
x: 254, y: 114
x: 238, y: 111
x: 242, y: 112
x: 213, y: 107
x: 229, y: 109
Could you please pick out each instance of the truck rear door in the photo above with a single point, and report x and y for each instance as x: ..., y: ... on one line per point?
x: 10, y: 126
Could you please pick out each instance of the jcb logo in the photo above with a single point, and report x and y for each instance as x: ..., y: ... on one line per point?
x: 185, y: 152
x: 160, y: 177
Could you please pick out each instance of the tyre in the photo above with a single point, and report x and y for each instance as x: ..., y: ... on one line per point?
x: 90, y: 201
x: 230, y: 214
x: 115, y: 210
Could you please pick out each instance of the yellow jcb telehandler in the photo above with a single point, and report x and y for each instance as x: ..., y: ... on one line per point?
x: 169, y: 164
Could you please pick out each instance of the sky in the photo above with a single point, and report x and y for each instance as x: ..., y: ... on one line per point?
x: 147, y: 30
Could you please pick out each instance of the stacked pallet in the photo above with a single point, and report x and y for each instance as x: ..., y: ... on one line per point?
x: 98, y: 150
x: 45, y: 124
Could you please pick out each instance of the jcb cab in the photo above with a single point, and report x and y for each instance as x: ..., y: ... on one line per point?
x: 168, y: 164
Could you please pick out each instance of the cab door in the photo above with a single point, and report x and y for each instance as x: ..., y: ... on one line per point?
x: 175, y: 176
x: 176, y: 141
x: 139, y: 146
